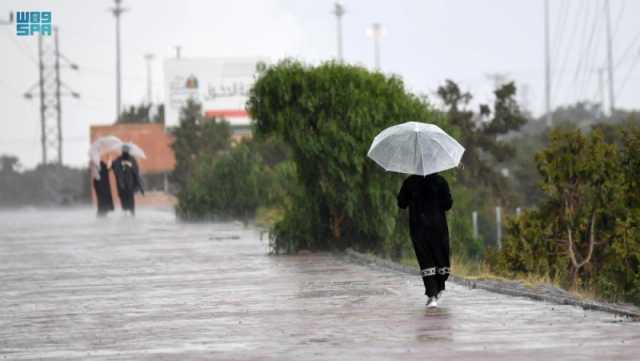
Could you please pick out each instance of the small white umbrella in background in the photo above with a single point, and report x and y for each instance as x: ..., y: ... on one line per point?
x: 98, y: 148
x: 134, y: 150
x: 103, y: 145
x: 415, y: 148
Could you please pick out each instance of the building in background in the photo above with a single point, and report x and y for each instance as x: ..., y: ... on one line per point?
x: 155, y: 169
x: 221, y: 85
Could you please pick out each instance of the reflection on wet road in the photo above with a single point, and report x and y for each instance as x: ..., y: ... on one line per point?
x: 76, y: 288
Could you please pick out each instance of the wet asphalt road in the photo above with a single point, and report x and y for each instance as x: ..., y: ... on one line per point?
x: 76, y: 288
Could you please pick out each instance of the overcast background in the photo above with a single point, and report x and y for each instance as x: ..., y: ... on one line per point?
x: 425, y: 42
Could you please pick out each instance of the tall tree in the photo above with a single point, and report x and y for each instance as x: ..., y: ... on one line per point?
x: 9, y: 163
x: 480, y: 133
x: 194, y: 137
x: 228, y: 187
x: 143, y: 113
x: 328, y: 115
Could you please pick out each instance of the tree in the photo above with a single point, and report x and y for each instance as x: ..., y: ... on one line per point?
x: 227, y: 187
x: 621, y: 266
x: 586, y: 231
x: 480, y: 134
x: 579, y: 175
x: 142, y: 113
x: 9, y: 163
x: 196, y: 136
x: 575, y: 224
x: 328, y: 115
x: 159, y: 115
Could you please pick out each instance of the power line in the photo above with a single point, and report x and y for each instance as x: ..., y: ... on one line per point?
x: 628, y: 50
x: 563, y: 64
x: 561, y: 23
x: 587, y: 72
x: 587, y: 20
x: 631, y: 68
x: 547, y: 66
x: 619, y: 18
x: 612, y: 96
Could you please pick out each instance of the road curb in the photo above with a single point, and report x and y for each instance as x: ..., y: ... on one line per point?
x: 506, y: 288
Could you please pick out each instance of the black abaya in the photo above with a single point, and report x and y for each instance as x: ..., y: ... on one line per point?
x: 102, y: 187
x: 428, y: 198
x: 128, y: 179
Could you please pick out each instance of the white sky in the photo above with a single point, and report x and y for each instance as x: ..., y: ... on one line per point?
x: 425, y: 42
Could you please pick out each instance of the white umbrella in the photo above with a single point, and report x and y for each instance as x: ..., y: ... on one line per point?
x: 134, y: 149
x: 415, y: 148
x: 103, y: 145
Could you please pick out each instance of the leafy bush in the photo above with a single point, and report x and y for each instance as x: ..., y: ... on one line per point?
x: 228, y: 187
x: 587, y: 231
x: 196, y: 137
x: 328, y: 115
x: 463, y: 244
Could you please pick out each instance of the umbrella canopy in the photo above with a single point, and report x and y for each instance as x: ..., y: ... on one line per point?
x: 103, y: 145
x: 415, y: 148
x: 133, y: 149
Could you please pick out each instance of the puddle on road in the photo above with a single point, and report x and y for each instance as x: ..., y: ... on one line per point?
x: 432, y: 338
x: 223, y: 238
x: 341, y: 293
x: 323, y: 270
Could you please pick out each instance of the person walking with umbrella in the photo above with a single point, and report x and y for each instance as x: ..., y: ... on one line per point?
x: 128, y: 179
x: 422, y: 150
x: 100, y: 172
x: 102, y: 188
x: 428, y: 198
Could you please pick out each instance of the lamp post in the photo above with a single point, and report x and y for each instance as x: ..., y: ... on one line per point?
x: 339, y: 11
x: 149, y: 57
x: 117, y: 10
x: 376, y: 32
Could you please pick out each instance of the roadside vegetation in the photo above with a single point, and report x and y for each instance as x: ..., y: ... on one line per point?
x: 306, y: 177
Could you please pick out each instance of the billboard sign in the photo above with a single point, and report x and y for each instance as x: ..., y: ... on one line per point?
x: 220, y: 85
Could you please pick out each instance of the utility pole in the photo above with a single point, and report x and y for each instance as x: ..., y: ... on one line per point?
x: 49, y: 88
x: 499, y: 227
x: 58, y: 102
x: 43, y: 109
x: 149, y: 58
x: 601, y: 87
x: 474, y: 221
x: 547, y: 66
x: 339, y: 11
x: 612, y: 98
x: 178, y: 49
x: 376, y: 32
x: 117, y: 11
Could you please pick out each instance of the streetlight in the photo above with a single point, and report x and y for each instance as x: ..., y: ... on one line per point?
x: 339, y: 12
x: 376, y: 31
x: 117, y: 11
x: 149, y: 57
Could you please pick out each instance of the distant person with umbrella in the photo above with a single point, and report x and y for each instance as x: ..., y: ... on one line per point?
x: 102, y: 188
x: 100, y: 172
x: 423, y: 150
x: 128, y: 179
